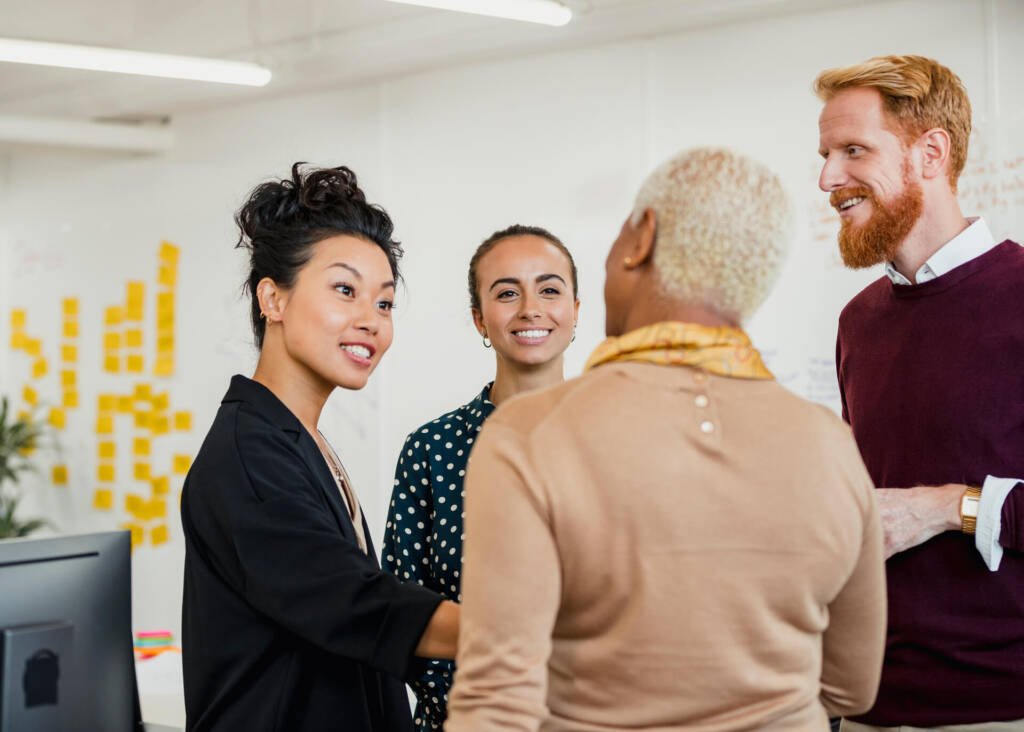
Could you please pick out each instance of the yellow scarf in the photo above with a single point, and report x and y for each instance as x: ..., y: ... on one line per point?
x: 723, y: 351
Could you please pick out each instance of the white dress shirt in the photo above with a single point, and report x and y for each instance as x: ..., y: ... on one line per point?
x: 970, y: 243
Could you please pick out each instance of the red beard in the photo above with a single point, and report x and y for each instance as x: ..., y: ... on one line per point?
x: 880, y: 237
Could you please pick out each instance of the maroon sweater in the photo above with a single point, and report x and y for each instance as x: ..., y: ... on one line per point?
x: 932, y: 384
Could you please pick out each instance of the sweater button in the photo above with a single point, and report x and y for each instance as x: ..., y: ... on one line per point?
x: 707, y: 427
x: 701, y: 400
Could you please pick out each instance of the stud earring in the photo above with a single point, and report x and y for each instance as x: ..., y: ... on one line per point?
x: 628, y: 261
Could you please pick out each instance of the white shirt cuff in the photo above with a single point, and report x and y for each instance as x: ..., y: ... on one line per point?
x: 990, y: 514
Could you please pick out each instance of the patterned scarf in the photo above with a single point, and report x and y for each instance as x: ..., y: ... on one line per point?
x: 723, y: 351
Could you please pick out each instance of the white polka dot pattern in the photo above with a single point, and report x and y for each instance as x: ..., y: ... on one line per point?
x: 423, y: 537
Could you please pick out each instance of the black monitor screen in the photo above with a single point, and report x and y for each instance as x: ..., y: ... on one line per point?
x: 66, y: 660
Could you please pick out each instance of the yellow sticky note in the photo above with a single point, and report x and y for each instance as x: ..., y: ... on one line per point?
x: 29, y: 395
x: 168, y: 275
x: 161, y: 485
x: 133, y: 312
x: 165, y: 322
x: 18, y: 340
x: 136, y: 505
x: 165, y: 302
x: 60, y: 474
x: 57, y: 418
x: 70, y: 305
x: 142, y: 471
x: 165, y: 344
x: 105, y: 473
x: 138, y: 533
x: 143, y: 391
x: 183, y: 421
x: 71, y: 329
x: 182, y: 463
x: 69, y: 354
x: 113, y: 315
x: 33, y: 347
x: 18, y: 319
x: 142, y: 420
x: 106, y: 402
x: 68, y: 378
x: 161, y: 401
x: 112, y: 364
x: 140, y: 446
x: 133, y: 364
x: 133, y: 338
x: 125, y: 404
x: 106, y: 449
x: 168, y: 252
x: 70, y: 399
x: 112, y: 341
x: 39, y: 368
x: 157, y: 508
x: 160, y: 424
x: 159, y: 535
x: 104, y: 425
x: 134, y: 291
x: 163, y: 367
x: 103, y: 499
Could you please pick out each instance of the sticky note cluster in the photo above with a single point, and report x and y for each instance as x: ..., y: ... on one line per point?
x: 167, y: 283
x: 122, y: 332
x: 31, y: 347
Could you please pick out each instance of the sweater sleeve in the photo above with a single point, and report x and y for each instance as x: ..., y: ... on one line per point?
x: 300, y: 571
x: 1000, y: 517
x: 511, y: 591
x: 854, y: 643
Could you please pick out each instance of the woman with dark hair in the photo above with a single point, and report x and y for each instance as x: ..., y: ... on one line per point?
x: 522, y: 293
x: 288, y: 621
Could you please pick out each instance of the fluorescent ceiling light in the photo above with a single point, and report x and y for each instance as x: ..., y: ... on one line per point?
x: 547, y: 12
x: 93, y: 58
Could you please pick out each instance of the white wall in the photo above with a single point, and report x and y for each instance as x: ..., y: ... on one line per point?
x: 559, y: 140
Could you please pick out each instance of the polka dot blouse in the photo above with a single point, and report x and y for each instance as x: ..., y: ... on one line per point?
x: 423, y: 538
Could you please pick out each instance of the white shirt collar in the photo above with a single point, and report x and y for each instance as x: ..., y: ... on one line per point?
x: 972, y: 242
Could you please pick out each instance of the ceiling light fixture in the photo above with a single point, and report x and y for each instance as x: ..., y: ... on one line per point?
x: 547, y: 12
x: 93, y: 58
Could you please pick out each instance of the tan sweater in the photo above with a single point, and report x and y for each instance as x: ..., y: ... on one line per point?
x: 655, y: 548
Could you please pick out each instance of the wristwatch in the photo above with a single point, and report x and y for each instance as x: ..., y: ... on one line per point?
x: 969, y: 509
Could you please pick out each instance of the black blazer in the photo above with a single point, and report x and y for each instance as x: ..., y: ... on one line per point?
x: 287, y: 625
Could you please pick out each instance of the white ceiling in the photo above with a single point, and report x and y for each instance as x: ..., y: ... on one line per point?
x: 308, y: 44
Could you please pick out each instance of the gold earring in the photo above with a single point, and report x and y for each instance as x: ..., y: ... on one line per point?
x: 628, y: 261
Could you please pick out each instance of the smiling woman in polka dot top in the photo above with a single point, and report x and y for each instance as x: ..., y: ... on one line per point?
x: 523, y: 295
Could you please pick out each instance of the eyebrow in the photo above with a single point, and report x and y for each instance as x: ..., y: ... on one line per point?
x: 359, y: 276
x: 516, y: 281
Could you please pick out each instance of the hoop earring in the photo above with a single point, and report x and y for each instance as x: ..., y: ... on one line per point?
x: 487, y: 342
x: 573, y: 339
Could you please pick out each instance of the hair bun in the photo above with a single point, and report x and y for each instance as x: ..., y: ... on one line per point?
x: 321, y: 188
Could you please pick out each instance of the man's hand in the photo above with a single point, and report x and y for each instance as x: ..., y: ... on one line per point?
x: 912, y: 516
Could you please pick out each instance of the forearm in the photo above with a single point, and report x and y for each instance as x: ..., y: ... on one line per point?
x: 912, y: 516
x: 440, y: 639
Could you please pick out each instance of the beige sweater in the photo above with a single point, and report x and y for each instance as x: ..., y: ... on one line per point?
x: 655, y: 548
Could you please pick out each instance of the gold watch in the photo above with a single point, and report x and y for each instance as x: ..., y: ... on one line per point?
x: 969, y: 509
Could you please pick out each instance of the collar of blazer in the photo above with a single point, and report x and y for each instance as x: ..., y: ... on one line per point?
x: 273, y: 411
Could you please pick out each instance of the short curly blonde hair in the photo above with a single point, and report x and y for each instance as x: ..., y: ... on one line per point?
x: 918, y: 93
x: 724, y: 226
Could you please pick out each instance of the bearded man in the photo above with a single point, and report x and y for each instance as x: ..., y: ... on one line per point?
x: 931, y: 370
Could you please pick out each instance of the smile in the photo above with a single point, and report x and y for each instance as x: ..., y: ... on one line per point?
x: 358, y: 352
x: 849, y: 203
x: 532, y: 335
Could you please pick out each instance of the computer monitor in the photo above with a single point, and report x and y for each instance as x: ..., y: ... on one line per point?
x: 66, y: 659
